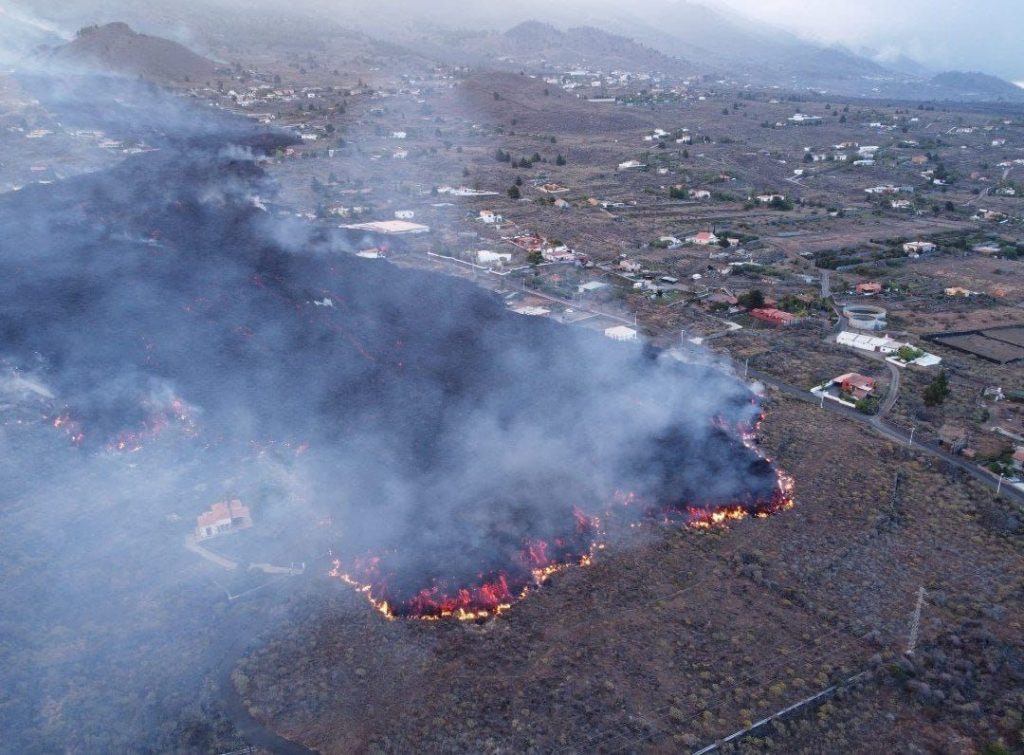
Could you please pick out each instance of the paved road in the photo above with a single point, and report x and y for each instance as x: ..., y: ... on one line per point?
x: 891, y: 433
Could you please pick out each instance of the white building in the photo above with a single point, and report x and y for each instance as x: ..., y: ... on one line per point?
x: 919, y: 247
x: 621, y: 333
x: 404, y: 214
x: 486, y: 257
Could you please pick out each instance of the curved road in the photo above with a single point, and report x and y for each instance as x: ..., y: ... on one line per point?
x: 891, y: 433
x: 222, y: 657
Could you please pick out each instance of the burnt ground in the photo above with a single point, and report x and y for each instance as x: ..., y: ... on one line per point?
x: 686, y: 636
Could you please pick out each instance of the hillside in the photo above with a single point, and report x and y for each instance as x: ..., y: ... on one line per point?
x: 535, y: 45
x: 978, y: 84
x: 117, y: 48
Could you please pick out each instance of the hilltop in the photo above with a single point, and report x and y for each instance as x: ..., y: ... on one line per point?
x: 116, y: 47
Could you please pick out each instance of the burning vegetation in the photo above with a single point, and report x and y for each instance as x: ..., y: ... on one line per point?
x: 399, y: 589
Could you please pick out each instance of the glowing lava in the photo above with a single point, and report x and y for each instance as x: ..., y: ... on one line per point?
x: 486, y: 594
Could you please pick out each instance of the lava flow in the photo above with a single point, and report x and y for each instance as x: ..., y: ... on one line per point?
x: 484, y: 594
x: 397, y: 592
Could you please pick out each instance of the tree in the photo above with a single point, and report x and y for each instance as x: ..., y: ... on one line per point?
x: 908, y: 353
x: 514, y: 193
x: 560, y: 160
x: 753, y: 299
x: 937, y: 391
x: 534, y: 258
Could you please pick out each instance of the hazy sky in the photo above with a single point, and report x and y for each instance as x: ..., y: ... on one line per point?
x: 962, y: 34
x: 967, y: 35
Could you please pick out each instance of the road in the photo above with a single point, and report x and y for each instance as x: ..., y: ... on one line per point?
x: 235, y: 639
x: 878, y: 424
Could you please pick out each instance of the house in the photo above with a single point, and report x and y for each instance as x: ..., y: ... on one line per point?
x: 773, y: 316
x: 769, y: 198
x: 914, y: 248
x: 486, y: 257
x: 1018, y: 459
x: 490, y: 217
x: 590, y: 287
x: 919, y: 159
x: 699, y: 194
x: 631, y: 165
x: 869, y: 289
x: 959, y: 291
x: 901, y: 204
x: 630, y: 266
x: 389, y: 227
x: 704, y: 238
x: 552, y: 188
x: 987, y: 249
x: 532, y: 311
x: 621, y: 333
x: 855, y: 384
x: 398, y: 134
x: 558, y: 254
x: 864, y: 163
x: 721, y: 299
x: 881, y: 345
x: 800, y: 119
x: 404, y: 214
x: 222, y: 518
x: 400, y: 154
x: 561, y: 204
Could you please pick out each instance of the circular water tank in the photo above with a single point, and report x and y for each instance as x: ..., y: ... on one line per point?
x: 865, y: 316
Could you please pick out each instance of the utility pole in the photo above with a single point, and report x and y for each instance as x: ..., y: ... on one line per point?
x: 910, y: 443
x: 746, y: 367
x: 822, y: 404
x: 999, y: 486
x: 915, y: 623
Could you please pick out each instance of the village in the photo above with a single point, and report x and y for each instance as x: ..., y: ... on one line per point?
x: 663, y: 221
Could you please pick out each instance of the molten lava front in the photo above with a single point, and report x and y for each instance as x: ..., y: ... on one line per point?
x: 396, y: 588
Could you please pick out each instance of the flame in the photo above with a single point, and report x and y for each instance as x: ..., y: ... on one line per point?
x: 175, y: 412
x: 495, y: 593
x: 492, y: 595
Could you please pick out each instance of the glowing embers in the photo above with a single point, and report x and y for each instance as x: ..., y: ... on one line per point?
x: 157, y: 416
x: 706, y: 518
x: 395, y: 594
x: 66, y: 423
x: 160, y: 416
